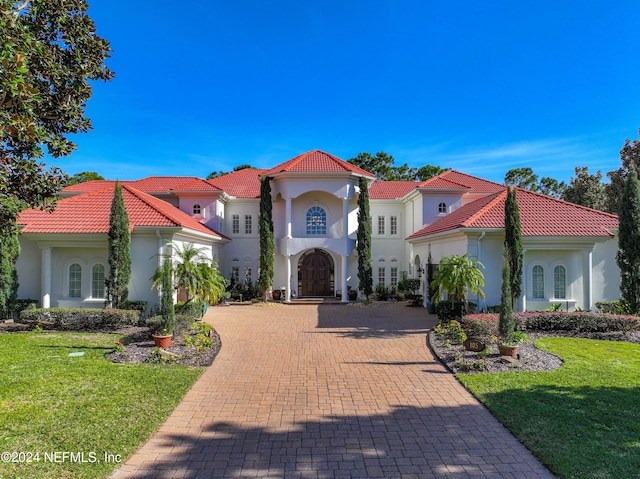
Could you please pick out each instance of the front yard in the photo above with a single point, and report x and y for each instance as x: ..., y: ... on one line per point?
x: 81, y: 415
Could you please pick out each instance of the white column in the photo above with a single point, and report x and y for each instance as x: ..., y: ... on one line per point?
x: 288, y: 292
x: 588, y: 279
x: 345, y: 223
x: 45, y: 278
x: 524, y: 281
x: 288, y: 216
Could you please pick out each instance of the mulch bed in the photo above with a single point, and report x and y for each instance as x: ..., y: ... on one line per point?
x: 458, y: 360
x: 140, y: 348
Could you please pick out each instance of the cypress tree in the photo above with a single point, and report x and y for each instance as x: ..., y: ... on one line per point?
x: 513, y: 243
x: 265, y: 227
x: 166, y: 300
x: 365, y: 276
x: 119, y: 251
x: 628, y: 257
x: 507, y: 322
x: 9, y: 252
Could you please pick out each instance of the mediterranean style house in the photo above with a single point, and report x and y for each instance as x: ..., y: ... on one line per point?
x: 569, y: 250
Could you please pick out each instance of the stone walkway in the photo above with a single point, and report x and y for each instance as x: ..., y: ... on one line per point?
x: 329, y: 391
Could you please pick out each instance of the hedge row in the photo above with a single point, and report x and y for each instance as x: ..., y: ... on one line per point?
x: 79, y: 319
x: 580, y: 322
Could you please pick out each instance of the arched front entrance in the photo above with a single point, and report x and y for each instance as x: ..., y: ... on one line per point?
x: 315, y: 274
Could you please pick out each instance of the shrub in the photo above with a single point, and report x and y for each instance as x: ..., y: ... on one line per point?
x: 183, y: 323
x: 482, y: 325
x: 22, y: 304
x: 136, y: 305
x: 610, y: 307
x: 579, y: 321
x: 79, y: 319
x: 190, y: 308
x: 446, y: 310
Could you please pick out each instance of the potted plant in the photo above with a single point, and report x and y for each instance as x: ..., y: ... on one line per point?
x: 509, y: 345
x: 352, y: 294
x: 162, y: 336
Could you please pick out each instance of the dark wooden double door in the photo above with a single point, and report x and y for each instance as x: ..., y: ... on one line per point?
x: 316, y: 273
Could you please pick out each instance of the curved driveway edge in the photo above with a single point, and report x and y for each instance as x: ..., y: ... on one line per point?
x: 324, y: 391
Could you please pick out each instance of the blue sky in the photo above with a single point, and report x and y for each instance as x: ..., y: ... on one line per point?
x: 478, y: 86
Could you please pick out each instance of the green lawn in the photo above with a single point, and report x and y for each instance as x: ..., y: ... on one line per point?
x: 582, y: 420
x: 52, y: 403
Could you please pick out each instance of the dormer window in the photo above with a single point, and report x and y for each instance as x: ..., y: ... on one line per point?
x: 196, y: 209
x: 442, y: 208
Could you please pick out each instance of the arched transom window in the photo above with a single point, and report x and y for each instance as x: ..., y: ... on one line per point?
x: 559, y: 282
x: 316, y: 221
x: 75, y: 280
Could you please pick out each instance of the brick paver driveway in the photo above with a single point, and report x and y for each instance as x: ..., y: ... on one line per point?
x: 329, y: 391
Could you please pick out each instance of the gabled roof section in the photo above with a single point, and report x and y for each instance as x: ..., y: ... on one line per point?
x: 162, y: 184
x: 389, y: 190
x: 317, y: 161
x: 452, y: 179
x: 243, y: 183
x: 539, y: 216
x: 89, y: 213
x: 88, y: 186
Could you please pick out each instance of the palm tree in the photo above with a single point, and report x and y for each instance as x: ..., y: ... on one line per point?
x: 456, y: 276
x: 194, y: 272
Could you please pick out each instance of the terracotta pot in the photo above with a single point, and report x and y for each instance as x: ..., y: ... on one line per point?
x: 277, y: 294
x: 508, y: 350
x: 162, y: 341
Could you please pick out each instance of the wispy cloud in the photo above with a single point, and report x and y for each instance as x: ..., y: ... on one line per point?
x: 547, y: 157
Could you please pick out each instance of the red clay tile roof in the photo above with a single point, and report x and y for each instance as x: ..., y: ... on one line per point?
x: 89, y: 213
x: 316, y: 161
x: 539, y: 216
x: 195, y: 186
x: 89, y: 186
x: 243, y: 183
x: 455, y: 179
x: 388, y: 190
x: 151, y: 184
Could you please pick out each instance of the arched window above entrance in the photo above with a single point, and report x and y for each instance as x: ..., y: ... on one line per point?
x: 316, y: 221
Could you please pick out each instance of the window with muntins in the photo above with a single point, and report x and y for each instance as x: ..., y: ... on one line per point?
x: 196, y: 209
x: 393, y: 225
x: 537, y: 282
x: 97, y: 281
x: 235, y: 273
x: 248, y: 224
x: 75, y: 280
x: 442, y: 208
x: 559, y: 282
x: 316, y: 221
x: 394, y: 276
x: 380, y: 225
x: 235, y: 228
x: 381, y: 275
x: 247, y: 274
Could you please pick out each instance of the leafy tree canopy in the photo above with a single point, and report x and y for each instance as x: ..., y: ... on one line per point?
x: 630, y: 158
x: 586, y: 189
x: 526, y: 179
x: 48, y: 55
x: 382, y: 165
x: 84, y: 177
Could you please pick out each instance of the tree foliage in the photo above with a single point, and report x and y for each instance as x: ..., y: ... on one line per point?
x: 365, y: 275
x: 84, y: 177
x: 526, y: 179
x: 513, y: 243
x: 48, y: 55
x: 9, y: 252
x: 194, y: 272
x: 457, y: 275
x: 630, y: 159
x: 383, y: 166
x: 119, y: 240
x: 628, y: 257
x: 265, y: 227
x: 507, y: 321
x: 586, y: 189
x: 167, y: 306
